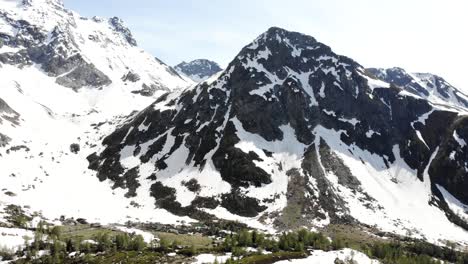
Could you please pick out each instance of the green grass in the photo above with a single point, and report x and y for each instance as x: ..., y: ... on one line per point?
x: 85, y: 232
x: 123, y: 257
x: 271, y: 258
x: 196, y: 240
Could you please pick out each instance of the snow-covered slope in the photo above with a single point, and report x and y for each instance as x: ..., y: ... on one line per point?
x: 426, y: 85
x: 290, y: 135
x: 65, y: 82
x: 198, y: 70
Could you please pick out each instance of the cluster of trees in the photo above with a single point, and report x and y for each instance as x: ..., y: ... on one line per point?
x: 121, y: 241
x: 296, y: 241
x: 414, y: 253
x: 17, y: 216
x: 47, y: 239
x: 302, y: 239
x: 245, y: 243
x: 50, y: 240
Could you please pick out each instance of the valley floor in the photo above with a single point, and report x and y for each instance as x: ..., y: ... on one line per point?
x: 31, y: 240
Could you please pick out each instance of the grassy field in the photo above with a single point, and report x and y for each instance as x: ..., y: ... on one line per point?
x: 84, y: 232
x: 196, y: 240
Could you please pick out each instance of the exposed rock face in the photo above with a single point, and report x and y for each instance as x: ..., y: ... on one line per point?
x: 425, y: 85
x: 82, y: 75
x: 59, y: 56
x: 77, y: 51
x: 287, y: 114
x: 150, y: 90
x: 119, y: 26
x: 131, y: 77
x: 4, y: 140
x: 8, y: 114
x: 75, y: 148
x: 198, y: 70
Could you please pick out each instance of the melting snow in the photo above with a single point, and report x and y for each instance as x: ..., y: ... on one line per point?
x: 147, y: 236
x: 14, y: 238
x: 210, y: 258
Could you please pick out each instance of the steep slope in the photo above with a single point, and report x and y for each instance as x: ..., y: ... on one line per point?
x: 292, y: 134
x: 67, y: 81
x: 425, y: 85
x: 198, y: 70
x: 78, y: 51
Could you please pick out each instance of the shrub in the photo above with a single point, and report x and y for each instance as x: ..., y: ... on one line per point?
x: 6, y: 254
x: 138, y: 243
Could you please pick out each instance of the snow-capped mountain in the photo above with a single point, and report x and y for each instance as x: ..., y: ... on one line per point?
x: 198, y: 70
x: 292, y: 134
x: 66, y: 81
x: 425, y: 85
x: 289, y: 135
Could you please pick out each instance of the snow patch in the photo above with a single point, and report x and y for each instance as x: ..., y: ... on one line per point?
x: 454, y: 204
x: 211, y: 258
x: 459, y: 140
x: 14, y: 238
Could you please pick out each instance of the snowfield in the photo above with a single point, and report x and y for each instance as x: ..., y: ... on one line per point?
x: 46, y: 175
x: 404, y: 198
x: 39, y: 170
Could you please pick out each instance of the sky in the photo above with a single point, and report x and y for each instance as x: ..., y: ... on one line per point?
x: 418, y: 35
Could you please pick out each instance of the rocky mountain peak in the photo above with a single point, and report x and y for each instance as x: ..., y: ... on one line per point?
x: 53, y: 3
x: 77, y: 50
x: 198, y: 70
x: 259, y: 123
x: 279, y: 56
x: 119, y: 26
x: 281, y: 35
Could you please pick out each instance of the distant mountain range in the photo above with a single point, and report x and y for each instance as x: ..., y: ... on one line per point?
x: 198, y: 70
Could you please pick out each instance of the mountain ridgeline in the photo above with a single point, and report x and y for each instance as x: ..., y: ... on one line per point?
x: 425, y: 85
x: 292, y: 134
x: 198, y: 70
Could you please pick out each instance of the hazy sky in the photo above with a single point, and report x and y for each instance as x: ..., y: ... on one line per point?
x: 419, y: 35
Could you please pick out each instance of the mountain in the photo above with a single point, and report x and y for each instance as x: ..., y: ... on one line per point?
x: 425, y: 85
x: 292, y: 134
x: 198, y: 70
x: 66, y: 82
